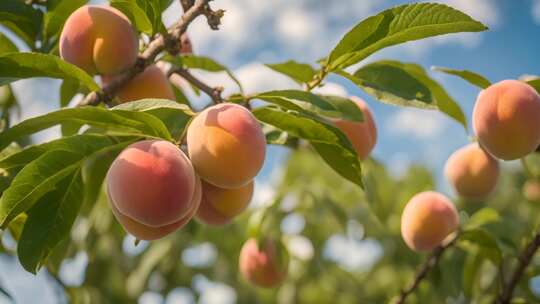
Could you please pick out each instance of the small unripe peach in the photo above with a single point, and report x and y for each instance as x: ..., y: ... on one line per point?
x: 472, y: 172
x: 151, y: 83
x: 220, y: 206
x: 506, y: 119
x: 149, y: 233
x: 428, y: 218
x: 362, y: 135
x: 531, y: 190
x: 99, y: 39
x: 226, y: 145
x: 264, y: 267
x: 185, y: 44
x: 152, y: 182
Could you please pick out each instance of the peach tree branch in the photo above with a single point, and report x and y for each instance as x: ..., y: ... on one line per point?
x: 213, y: 92
x: 425, y: 268
x: 155, y: 47
x: 523, y: 261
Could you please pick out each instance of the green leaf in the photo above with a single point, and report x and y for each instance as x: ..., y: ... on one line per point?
x: 41, y: 175
x: 15, y: 66
x: 49, y: 222
x: 535, y: 83
x: 471, y: 77
x: 57, y: 14
x: 299, y: 72
x: 300, y: 101
x: 482, y: 217
x: 328, y: 141
x: 405, y: 84
x: 348, y: 109
x: 136, y: 123
x: 202, y: 63
x: 485, y: 241
x: 135, y: 13
x: 398, y: 25
x: 6, y: 45
x: 22, y: 19
x: 174, y: 115
x: 30, y: 153
x: 68, y: 90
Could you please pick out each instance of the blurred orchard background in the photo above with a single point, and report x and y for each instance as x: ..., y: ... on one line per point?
x: 412, y: 144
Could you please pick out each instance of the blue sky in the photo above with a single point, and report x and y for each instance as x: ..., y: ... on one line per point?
x: 256, y: 32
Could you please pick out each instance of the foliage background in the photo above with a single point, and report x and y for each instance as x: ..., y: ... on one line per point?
x: 272, y: 31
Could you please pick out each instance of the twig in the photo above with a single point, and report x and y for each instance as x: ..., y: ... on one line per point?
x: 214, y: 93
x: 155, y: 47
x: 429, y: 264
x: 524, y: 260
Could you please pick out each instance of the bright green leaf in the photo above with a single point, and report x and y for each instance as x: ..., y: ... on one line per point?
x: 15, y: 66
x: 398, y: 25
x: 299, y: 72
x: 535, y: 83
x: 6, y: 45
x: 482, y: 217
x: 57, y: 14
x: 327, y: 140
x: 49, y: 222
x: 405, y: 84
x: 471, y: 77
x: 135, y: 13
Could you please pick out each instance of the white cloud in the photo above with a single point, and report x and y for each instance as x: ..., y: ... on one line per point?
x: 298, y: 26
x: 300, y: 247
x: 535, y: 11
x: 485, y: 11
x: 331, y: 88
x: 422, y: 124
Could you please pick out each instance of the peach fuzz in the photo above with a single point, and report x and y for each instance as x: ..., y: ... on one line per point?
x: 226, y: 145
x: 262, y: 267
x: 472, y: 172
x: 219, y: 206
x: 99, y: 39
x: 362, y: 135
x: 149, y: 233
x: 151, y: 83
x: 428, y: 218
x: 152, y: 182
x: 506, y: 119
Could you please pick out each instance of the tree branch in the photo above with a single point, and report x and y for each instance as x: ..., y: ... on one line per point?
x: 524, y: 260
x: 425, y: 268
x: 214, y: 93
x: 155, y: 47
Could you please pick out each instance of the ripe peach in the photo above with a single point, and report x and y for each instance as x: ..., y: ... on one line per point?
x: 152, y: 182
x: 506, y: 119
x: 219, y: 206
x: 472, y: 172
x: 99, y: 39
x: 151, y: 83
x: 226, y: 145
x: 145, y: 232
x: 531, y: 190
x: 363, y: 135
x: 428, y: 218
x: 263, y: 267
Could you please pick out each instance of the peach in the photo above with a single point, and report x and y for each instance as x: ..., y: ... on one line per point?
x: 362, y: 135
x: 264, y: 267
x: 219, y: 206
x: 149, y: 233
x: 226, y: 145
x: 185, y: 44
x: 151, y: 83
x: 428, y: 218
x: 99, y: 39
x: 506, y: 119
x: 531, y: 190
x: 152, y: 182
x: 472, y: 172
